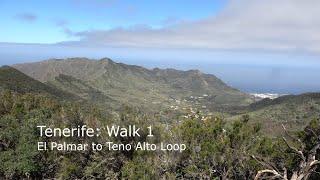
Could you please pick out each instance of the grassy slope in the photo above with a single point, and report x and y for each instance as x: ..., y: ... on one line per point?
x: 294, y: 111
x: 14, y: 80
x: 139, y: 86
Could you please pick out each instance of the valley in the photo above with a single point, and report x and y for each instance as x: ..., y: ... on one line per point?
x: 200, y: 125
x: 168, y: 92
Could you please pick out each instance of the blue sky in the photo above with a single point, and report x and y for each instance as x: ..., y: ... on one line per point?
x: 257, y: 46
x: 51, y: 17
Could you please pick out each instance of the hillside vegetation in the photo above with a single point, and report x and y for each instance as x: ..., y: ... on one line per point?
x: 169, y: 92
x: 294, y: 111
x: 16, y: 81
x: 135, y: 85
x: 215, y: 150
x: 227, y: 135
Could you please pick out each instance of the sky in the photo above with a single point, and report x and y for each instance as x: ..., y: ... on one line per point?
x: 256, y: 46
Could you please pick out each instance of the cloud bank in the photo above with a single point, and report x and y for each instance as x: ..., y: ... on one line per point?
x: 244, y: 25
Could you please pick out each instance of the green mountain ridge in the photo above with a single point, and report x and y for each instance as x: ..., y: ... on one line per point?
x: 16, y: 81
x: 293, y: 111
x: 112, y: 84
x: 283, y: 99
x: 138, y: 86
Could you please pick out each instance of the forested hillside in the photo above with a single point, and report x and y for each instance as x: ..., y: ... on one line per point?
x: 214, y: 149
x: 269, y: 139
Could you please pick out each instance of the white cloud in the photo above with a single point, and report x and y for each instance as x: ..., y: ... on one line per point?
x: 263, y: 25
